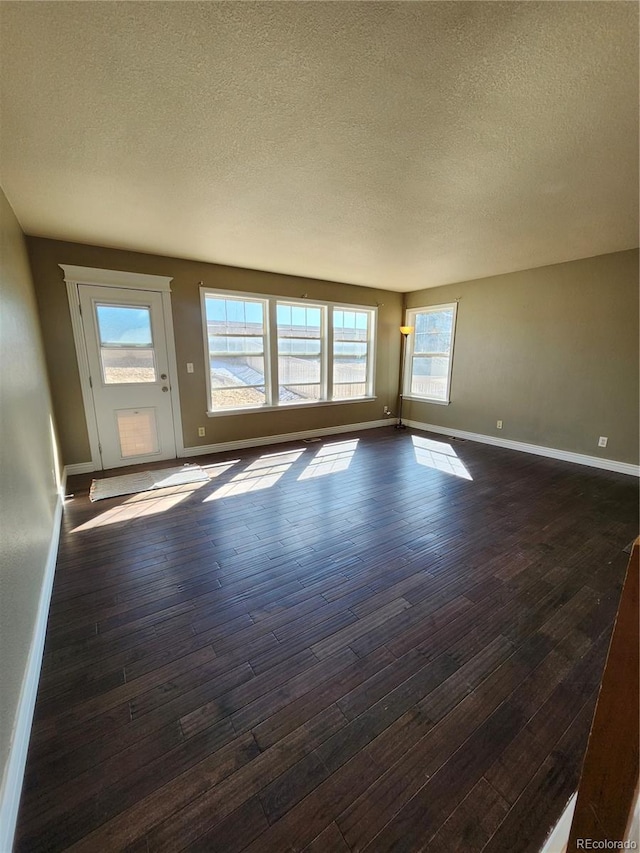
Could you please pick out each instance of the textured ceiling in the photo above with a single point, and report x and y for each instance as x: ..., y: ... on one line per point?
x: 402, y: 145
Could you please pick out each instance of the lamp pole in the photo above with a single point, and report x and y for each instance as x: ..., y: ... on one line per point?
x: 405, y: 331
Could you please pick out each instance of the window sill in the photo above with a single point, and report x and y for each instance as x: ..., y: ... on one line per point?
x: 246, y: 410
x: 430, y: 400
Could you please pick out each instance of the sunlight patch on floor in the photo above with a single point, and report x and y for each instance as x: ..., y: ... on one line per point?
x: 217, y: 469
x: 260, y: 474
x: 440, y: 456
x: 330, y: 459
x: 141, y: 506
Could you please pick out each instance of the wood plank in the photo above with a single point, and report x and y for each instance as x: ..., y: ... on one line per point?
x: 473, y: 822
x: 330, y: 840
x: 319, y: 665
x: 538, y: 808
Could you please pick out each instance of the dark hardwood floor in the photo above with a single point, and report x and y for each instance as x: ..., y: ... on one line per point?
x: 384, y: 641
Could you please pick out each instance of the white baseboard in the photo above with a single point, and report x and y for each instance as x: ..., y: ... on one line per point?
x: 538, y: 450
x: 17, y: 760
x: 241, y: 444
x: 557, y: 841
x: 204, y: 449
x: 79, y: 468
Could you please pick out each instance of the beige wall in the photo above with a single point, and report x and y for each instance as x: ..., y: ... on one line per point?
x: 28, y: 493
x: 552, y: 352
x: 52, y: 298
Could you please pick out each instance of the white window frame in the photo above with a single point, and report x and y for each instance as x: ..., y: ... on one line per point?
x: 408, y: 371
x: 271, y: 350
x: 324, y: 356
x: 267, y: 343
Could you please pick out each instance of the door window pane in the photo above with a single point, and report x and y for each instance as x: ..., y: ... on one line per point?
x: 126, y: 344
x: 122, y: 366
x: 121, y: 325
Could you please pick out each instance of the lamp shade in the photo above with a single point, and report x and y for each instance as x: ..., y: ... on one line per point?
x: 406, y: 330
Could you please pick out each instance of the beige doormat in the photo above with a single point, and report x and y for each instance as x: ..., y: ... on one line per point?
x: 145, y: 481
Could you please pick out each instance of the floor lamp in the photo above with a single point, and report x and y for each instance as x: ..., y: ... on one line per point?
x: 405, y: 331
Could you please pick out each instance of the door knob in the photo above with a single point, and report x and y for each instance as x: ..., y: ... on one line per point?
x: 164, y: 388
x: 163, y: 376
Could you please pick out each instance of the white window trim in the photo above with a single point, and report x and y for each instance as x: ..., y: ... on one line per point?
x: 271, y: 349
x: 410, y: 321
x: 116, y: 278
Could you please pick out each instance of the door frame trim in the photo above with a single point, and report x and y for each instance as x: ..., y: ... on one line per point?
x: 74, y: 276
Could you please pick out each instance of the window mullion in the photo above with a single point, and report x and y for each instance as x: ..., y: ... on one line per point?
x: 371, y: 351
x: 271, y: 354
x: 328, y: 359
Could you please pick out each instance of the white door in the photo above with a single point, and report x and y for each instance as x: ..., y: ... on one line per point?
x: 129, y: 368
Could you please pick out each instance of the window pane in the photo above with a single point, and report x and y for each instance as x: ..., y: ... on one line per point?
x: 298, y: 317
x: 242, y: 316
x: 299, y: 393
x: 349, y: 370
x: 349, y: 349
x: 237, y: 371
x: 432, y: 342
x: 122, y: 366
x: 295, y: 320
x: 347, y: 391
x: 236, y: 334
x: 284, y: 315
x: 431, y: 352
x: 350, y: 325
x: 298, y: 346
x: 299, y: 353
x: 223, y: 344
x: 237, y: 398
x: 434, y: 325
x: 299, y: 370
x: 438, y: 320
x: 120, y: 325
x: 429, y: 377
x: 350, y: 353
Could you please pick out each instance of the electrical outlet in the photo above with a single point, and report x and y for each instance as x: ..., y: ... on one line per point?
x: 499, y: 424
x: 602, y: 441
x: 386, y: 411
x: 201, y: 432
x: 189, y: 367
